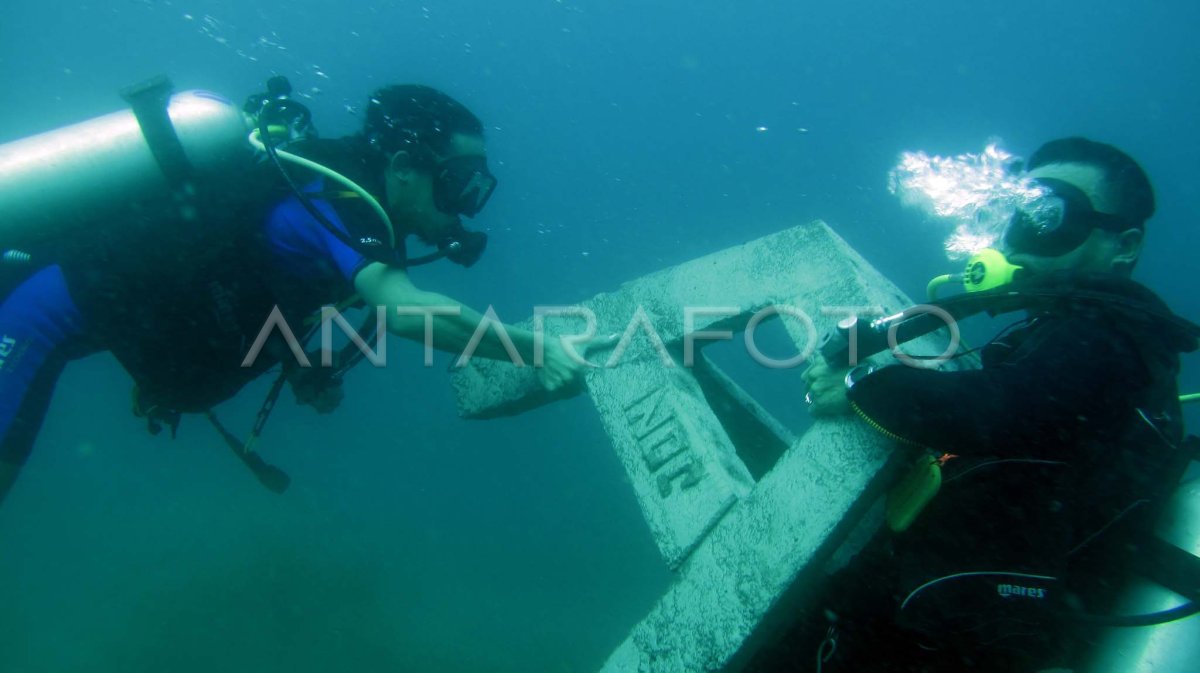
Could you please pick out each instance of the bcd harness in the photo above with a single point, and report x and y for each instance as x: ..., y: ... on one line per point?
x: 161, y: 368
x: 1146, y: 554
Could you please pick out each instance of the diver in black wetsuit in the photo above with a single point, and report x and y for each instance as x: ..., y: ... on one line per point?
x: 1053, y: 455
x: 180, y: 319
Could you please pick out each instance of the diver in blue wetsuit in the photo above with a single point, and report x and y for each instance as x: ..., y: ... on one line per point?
x: 1053, y: 458
x: 179, y: 310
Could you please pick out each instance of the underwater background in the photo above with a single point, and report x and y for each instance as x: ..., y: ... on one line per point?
x: 627, y: 136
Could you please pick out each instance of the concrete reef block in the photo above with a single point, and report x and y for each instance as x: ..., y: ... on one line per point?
x: 807, y: 266
x: 760, y: 560
x: 746, y: 551
x: 734, y: 577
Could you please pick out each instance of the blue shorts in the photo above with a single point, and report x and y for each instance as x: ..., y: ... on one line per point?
x: 41, y: 330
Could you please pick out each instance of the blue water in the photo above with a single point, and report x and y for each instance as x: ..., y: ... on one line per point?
x: 627, y: 136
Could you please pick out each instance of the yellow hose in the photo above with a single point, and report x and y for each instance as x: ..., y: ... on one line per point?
x: 934, y: 285
x: 333, y: 175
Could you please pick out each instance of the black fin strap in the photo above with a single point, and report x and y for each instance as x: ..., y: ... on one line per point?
x: 273, y: 478
x: 264, y: 412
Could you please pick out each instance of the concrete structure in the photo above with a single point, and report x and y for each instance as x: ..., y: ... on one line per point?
x: 745, y: 513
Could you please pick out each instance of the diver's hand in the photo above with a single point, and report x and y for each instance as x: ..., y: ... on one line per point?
x: 826, y: 390
x: 315, y: 389
x: 559, y: 369
x: 562, y: 367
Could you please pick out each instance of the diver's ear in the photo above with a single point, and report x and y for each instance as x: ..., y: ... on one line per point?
x: 1128, y: 248
x: 401, y: 167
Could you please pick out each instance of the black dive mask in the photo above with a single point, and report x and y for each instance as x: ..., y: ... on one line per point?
x: 1058, y: 222
x: 462, y: 185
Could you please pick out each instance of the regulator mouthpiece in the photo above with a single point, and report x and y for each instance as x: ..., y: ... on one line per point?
x: 988, y: 269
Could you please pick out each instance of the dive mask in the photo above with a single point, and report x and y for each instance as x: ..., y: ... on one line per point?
x: 462, y: 185
x: 1058, y: 221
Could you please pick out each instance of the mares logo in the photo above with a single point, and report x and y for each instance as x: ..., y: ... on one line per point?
x: 1011, y: 590
x: 6, y: 348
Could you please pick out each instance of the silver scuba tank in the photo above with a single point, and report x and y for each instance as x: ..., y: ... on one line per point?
x: 1173, y: 647
x: 58, y: 183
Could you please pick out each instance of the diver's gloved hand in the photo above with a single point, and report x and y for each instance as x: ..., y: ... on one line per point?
x: 826, y: 389
x: 464, y: 247
x: 317, y: 388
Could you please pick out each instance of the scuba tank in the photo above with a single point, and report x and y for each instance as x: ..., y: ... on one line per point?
x: 101, y: 172
x: 110, y: 172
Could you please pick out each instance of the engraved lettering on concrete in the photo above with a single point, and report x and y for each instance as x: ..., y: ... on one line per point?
x: 664, y: 449
x: 689, y: 474
x: 683, y: 467
x: 646, y: 419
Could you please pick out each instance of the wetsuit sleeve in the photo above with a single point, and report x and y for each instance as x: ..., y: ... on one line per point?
x: 1069, y: 380
x: 305, y: 246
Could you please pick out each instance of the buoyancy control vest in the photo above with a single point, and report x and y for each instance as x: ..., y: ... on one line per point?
x: 1000, y: 554
x: 181, y: 311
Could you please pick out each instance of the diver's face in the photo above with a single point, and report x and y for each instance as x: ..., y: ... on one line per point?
x: 410, y: 192
x: 1101, y: 251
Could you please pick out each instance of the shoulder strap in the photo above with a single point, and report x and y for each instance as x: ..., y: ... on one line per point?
x: 149, y: 101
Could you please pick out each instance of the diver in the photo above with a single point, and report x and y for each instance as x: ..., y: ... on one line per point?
x: 182, y: 290
x: 1053, y: 456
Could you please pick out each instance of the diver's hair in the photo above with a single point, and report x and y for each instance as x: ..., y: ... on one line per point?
x: 415, y: 118
x: 1125, y: 184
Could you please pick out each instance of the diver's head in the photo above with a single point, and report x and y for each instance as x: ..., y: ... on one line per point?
x: 434, y: 160
x: 1092, y: 213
